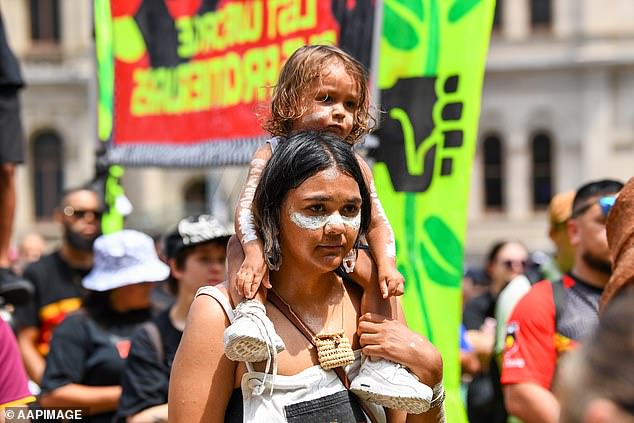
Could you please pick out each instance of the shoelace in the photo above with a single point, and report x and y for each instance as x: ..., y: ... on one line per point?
x: 246, y: 309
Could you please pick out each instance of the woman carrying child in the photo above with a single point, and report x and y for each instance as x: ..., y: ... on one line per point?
x: 311, y: 207
x: 319, y: 88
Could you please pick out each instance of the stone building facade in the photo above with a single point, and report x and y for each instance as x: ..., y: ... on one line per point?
x: 557, y: 110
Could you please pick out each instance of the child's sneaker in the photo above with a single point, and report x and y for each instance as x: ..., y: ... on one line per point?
x: 391, y: 385
x: 251, y: 337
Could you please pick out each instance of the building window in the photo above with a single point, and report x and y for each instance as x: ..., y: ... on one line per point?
x: 45, y: 21
x: 195, y: 197
x: 541, y: 14
x: 497, y: 15
x: 48, y: 177
x: 542, y: 171
x: 493, y: 173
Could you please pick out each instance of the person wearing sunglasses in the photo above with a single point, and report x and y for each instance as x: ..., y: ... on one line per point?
x: 506, y: 261
x: 57, y: 277
x: 554, y: 316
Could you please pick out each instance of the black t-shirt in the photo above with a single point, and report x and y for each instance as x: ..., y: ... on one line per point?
x: 485, y: 400
x: 86, y: 352
x: 58, y: 292
x: 145, y: 379
x: 478, y: 309
x: 10, y: 75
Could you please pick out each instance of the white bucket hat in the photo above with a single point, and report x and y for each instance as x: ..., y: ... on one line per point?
x: 124, y: 258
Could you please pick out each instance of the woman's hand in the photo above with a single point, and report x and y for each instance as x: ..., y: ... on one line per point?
x: 393, y: 340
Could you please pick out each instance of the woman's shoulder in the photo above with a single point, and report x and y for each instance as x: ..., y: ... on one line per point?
x: 213, y: 302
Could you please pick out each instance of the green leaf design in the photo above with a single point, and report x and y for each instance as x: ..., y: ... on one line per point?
x: 401, y: 23
x: 415, y: 6
x: 449, y: 245
x: 446, y: 246
x: 461, y: 8
x: 436, y: 272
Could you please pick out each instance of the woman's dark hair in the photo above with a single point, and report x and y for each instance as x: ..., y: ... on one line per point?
x: 492, y: 255
x: 296, y: 159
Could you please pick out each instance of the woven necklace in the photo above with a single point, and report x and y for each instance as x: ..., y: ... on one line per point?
x: 333, y: 348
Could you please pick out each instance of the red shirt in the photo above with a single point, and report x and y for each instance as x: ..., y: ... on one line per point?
x: 534, y: 341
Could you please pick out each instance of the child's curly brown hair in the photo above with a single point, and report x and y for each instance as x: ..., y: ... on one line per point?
x: 289, y: 100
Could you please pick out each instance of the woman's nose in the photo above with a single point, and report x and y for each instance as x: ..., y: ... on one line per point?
x: 334, y: 224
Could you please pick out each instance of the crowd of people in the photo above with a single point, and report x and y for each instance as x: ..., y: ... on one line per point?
x: 294, y: 313
x: 530, y: 320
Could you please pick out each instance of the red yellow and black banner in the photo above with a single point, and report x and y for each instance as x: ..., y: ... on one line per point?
x: 181, y: 82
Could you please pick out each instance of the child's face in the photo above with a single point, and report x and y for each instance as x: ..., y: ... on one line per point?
x: 334, y: 103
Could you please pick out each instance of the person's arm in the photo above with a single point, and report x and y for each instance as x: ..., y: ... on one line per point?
x: 156, y: 414
x: 99, y: 399
x: 531, y: 403
x: 33, y: 362
x: 391, y: 339
x: 380, y: 238
x: 202, y: 378
x: 530, y: 357
x: 253, y: 270
x: 28, y: 325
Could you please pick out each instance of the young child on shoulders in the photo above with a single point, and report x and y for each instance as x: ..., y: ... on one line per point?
x: 319, y: 88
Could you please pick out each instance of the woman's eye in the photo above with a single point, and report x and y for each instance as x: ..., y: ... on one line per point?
x: 316, y: 208
x: 325, y: 98
x: 350, y: 210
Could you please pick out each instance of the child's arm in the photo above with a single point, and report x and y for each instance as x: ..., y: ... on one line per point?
x: 381, y: 241
x: 253, y: 269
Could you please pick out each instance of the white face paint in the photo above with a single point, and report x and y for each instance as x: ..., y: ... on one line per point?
x: 247, y: 226
x: 315, y: 117
x: 314, y: 223
x: 331, y: 173
x: 377, y: 208
x: 245, y: 217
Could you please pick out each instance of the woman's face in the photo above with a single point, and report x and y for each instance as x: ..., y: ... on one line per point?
x: 320, y: 220
x: 132, y: 297
x: 509, y: 263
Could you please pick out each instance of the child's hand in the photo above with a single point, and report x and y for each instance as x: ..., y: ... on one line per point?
x: 251, y: 274
x: 391, y: 283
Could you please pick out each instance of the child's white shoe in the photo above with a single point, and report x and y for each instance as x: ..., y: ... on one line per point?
x: 391, y: 385
x: 251, y: 337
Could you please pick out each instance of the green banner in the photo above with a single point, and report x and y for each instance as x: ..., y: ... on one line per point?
x: 432, y: 57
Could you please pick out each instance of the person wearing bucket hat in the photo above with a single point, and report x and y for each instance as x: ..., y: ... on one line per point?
x: 196, y: 253
x: 88, y: 350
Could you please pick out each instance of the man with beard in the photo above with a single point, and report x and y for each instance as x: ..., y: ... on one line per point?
x: 553, y: 316
x: 57, y: 277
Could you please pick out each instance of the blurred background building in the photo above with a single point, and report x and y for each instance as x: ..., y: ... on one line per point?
x: 557, y: 110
